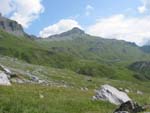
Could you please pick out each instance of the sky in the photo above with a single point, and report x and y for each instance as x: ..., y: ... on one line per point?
x: 119, y: 19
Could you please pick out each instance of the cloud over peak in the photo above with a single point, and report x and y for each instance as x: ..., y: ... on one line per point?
x: 61, y: 26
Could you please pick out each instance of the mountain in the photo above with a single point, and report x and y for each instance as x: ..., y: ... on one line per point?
x: 77, y: 43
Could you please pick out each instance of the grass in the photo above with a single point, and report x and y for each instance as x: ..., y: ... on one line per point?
x: 26, y: 99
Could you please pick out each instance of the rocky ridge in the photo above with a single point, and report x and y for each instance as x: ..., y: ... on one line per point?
x: 11, y: 26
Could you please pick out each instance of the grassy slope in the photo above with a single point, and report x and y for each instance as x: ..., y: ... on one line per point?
x: 60, y: 99
x: 20, y: 47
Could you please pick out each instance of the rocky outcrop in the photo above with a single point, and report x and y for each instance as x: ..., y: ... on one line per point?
x: 4, y: 79
x: 5, y: 75
x: 111, y: 94
x: 11, y: 26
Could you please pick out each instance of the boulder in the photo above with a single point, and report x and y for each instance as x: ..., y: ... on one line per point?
x: 4, y: 79
x: 127, y: 90
x: 129, y: 107
x: 139, y: 92
x: 122, y: 112
x: 111, y: 94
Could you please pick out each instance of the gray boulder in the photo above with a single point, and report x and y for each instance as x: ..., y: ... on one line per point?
x: 111, y: 94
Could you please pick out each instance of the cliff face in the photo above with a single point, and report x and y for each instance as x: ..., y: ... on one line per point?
x: 11, y: 26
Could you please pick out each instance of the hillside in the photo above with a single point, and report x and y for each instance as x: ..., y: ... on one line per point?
x: 21, y: 47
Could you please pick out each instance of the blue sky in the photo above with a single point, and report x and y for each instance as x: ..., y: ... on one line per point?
x: 56, y: 10
x: 120, y: 19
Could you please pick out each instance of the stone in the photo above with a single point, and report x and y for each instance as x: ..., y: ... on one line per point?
x: 4, y: 79
x: 139, y: 92
x: 34, y: 78
x: 111, y: 94
x: 122, y: 112
x: 126, y: 90
x: 41, y: 96
x: 84, y: 89
x: 129, y: 107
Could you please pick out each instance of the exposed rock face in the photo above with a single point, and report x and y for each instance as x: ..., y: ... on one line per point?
x: 4, y: 79
x: 129, y: 107
x: 111, y: 94
x: 11, y: 26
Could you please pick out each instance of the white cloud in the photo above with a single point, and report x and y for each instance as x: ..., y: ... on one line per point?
x: 6, y: 6
x: 142, y: 9
x: 62, y: 26
x: 145, y: 7
x: 23, y: 11
x: 135, y: 29
x: 89, y: 10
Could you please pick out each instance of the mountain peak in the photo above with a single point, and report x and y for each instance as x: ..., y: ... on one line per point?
x: 77, y: 30
x: 74, y: 32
